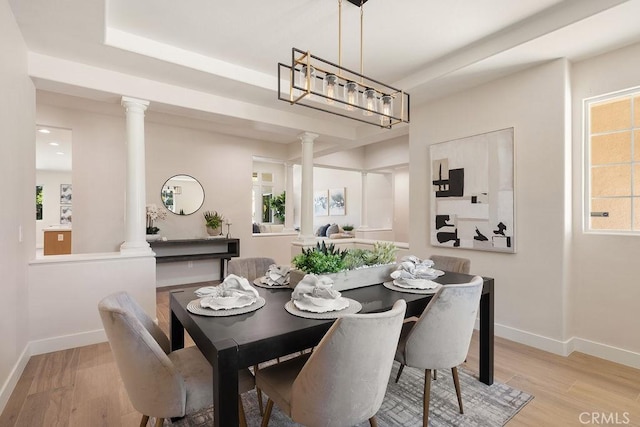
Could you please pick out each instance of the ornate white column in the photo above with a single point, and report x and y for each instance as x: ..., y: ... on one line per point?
x: 135, y: 196
x: 363, y: 204
x: 306, y: 193
x: 288, y: 206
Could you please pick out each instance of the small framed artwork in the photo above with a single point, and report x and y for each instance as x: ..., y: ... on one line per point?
x: 65, y: 194
x: 320, y: 203
x: 65, y: 214
x: 337, y: 204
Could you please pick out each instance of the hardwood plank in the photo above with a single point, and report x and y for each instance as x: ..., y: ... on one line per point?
x: 56, y: 370
x: 16, y: 401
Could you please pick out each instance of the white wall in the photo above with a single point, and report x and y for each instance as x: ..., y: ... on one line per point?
x: 50, y: 182
x: 17, y: 227
x: 530, y: 283
x: 605, y: 269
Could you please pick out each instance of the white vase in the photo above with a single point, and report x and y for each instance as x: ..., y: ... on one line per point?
x: 153, y: 237
x: 214, y: 231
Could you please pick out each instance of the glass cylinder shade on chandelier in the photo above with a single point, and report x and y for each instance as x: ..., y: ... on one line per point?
x: 330, y: 87
x: 386, y: 108
x: 351, y: 95
x: 307, y: 78
x: 370, y: 102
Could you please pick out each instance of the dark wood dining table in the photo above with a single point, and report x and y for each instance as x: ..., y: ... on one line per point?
x: 233, y: 342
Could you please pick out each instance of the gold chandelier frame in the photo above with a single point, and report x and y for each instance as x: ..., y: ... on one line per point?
x: 383, y: 105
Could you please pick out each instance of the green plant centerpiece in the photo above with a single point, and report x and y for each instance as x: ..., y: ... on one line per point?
x: 278, y: 205
x: 321, y: 259
x: 213, y: 221
x: 349, y: 268
x: 347, y: 228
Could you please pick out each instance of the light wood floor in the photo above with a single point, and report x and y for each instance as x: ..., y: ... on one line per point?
x: 81, y: 387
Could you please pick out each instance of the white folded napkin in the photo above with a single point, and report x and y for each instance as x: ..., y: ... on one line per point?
x: 314, y: 286
x: 277, y: 275
x: 412, y: 267
x: 231, y: 286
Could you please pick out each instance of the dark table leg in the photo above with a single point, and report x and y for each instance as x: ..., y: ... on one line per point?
x: 225, y: 384
x: 223, y: 265
x: 486, y: 336
x: 176, y: 331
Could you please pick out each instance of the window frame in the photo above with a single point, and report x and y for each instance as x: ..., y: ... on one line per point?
x: 587, y: 103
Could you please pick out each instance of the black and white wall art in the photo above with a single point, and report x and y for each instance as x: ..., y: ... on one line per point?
x: 472, y: 192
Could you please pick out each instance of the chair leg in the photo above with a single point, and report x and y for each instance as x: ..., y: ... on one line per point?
x: 399, y: 372
x: 267, y: 413
x: 258, y: 392
x: 144, y: 420
x: 373, y: 422
x: 241, y: 415
x: 427, y: 397
x: 456, y: 383
x: 159, y: 422
x: 435, y: 374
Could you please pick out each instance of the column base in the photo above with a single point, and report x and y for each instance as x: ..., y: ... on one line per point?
x: 136, y: 248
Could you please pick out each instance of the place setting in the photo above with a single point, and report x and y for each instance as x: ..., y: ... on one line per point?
x: 277, y: 276
x: 415, y: 276
x: 233, y: 296
x: 315, y: 298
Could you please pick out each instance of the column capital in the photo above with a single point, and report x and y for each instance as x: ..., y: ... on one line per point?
x: 129, y: 102
x: 308, y: 137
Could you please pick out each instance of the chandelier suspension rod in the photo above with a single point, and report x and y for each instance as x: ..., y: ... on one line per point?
x: 361, y: 38
x: 340, y: 33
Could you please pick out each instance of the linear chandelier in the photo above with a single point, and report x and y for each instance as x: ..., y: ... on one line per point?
x: 323, y: 85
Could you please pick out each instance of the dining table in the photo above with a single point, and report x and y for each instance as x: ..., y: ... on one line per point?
x: 234, y: 342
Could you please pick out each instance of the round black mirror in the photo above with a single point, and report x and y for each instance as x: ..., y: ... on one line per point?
x: 182, y: 194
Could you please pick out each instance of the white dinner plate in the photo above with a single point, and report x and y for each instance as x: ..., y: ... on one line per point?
x: 422, y: 284
x: 305, y: 305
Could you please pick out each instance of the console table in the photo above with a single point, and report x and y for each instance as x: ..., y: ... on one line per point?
x: 196, y: 249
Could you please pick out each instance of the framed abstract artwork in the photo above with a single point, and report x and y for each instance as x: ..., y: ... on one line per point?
x: 472, y: 192
x: 320, y: 203
x: 65, y: 214
x: 337, y: 201
x: 65, y: 194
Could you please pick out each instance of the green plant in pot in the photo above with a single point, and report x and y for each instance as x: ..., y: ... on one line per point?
x: 321, y: 259
x: 278, y: 205
x: 348, y: 228
x: 213, y: 221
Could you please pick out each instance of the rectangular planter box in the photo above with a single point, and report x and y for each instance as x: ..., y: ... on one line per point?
x: 351, y: 279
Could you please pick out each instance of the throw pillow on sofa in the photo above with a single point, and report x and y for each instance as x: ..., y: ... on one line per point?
x: 322, y: 230
x: 332, y: 229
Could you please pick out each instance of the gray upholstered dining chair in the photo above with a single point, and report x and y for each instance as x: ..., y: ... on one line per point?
x: 440, y: 337
x: 343, y: 381
x: 249, y: 268
x: 451, y: 263
x: 160, y: 383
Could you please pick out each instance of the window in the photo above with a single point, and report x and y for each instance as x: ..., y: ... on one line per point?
x: 612, y: 197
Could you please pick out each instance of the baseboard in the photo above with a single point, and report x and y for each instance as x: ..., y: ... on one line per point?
x: 565, y: 348
x: 604, y: 351
x: 562, y: 348
x: 14, y: 376
x: 65, y: 342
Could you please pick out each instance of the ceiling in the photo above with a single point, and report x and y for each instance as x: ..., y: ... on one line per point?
x: 230, y: 50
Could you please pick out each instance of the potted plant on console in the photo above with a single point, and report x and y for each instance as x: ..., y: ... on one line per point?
x: 348, y: 229
x: 154, y: 214
x: 213, y: 221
